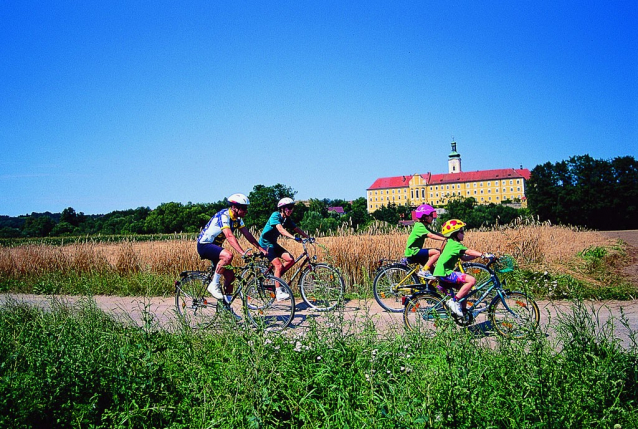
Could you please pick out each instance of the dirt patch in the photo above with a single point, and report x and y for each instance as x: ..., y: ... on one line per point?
x: 631, y: 238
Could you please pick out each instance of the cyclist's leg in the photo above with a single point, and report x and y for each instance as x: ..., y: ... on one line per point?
x: 433, y: 256
x: 280, y: 258
x: 214, y: 253
x: 468, y: 284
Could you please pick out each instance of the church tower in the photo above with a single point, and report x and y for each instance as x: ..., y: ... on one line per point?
x: 454, y: 160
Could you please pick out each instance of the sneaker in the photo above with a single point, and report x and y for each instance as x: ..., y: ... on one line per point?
x: 426, y: 275
x: 215, y: 290
x: 281, y: 295
x: 454, y: 307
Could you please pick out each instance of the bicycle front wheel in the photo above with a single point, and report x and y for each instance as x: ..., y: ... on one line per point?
x: 193, y: 307
x: 269, y: 303
x: 321, y: 287
x: 425, y: 313
x: 515, y: 315
x: 389, y: 287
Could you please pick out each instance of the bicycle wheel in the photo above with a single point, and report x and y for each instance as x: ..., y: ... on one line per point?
x: 195, y: 308
x: 425, y: 313
x: 482, y: 275
x: 515, y: 315
x: 263, y: 309
x: 321, y: 287
x: 389, y: 286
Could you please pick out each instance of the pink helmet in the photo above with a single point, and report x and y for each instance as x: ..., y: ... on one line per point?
x: 424, y: 210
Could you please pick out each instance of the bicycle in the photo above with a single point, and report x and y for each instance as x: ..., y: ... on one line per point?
x: 321, y: 285
x: 513, y: 314
x: 398, y: 279
x: 257, y: 299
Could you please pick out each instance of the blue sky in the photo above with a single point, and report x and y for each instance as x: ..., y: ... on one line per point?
x: 113, y: 105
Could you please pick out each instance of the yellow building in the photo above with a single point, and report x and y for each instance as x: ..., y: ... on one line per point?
x: 485, y: 186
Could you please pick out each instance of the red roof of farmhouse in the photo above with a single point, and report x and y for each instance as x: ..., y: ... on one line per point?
x: 465, y: 176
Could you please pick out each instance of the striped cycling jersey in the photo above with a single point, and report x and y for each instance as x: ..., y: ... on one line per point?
x: 212, y: 232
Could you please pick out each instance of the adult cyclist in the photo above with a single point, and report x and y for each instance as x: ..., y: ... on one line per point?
x: 280, y: 223
x: 221, y: 227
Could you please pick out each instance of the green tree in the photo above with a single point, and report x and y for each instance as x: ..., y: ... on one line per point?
x: 38, y: 226
x: 586, y: 192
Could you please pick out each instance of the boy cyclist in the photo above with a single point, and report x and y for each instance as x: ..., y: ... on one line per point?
x: 218, y: 229
x: 278, y: 224
x: 453, y: 251
x: 425, y: 215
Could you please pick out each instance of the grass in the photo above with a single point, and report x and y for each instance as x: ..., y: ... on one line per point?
x: 75, y: 366
x: 554, y: 261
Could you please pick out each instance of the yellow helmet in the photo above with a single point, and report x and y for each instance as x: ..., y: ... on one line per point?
x: 451, y: 226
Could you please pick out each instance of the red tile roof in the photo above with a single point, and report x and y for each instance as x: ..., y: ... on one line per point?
x: 465, y: 176
x: 391, y: 182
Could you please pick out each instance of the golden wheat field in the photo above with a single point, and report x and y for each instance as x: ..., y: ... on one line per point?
x: 538, y: 246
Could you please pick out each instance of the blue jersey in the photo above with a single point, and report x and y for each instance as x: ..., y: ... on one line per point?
x: 270, y: 234
x: 213, y: 231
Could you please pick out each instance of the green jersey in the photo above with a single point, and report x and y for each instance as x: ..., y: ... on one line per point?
x: 416, y: 239
x: 449, y: 257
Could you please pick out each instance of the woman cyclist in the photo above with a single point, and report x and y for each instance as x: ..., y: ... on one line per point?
x: 453, y: 251
x: 425, y: 215
x: 218, y: 229
x: 278, y: 224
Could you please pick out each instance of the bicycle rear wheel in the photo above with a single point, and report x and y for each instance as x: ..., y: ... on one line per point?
x: 389, y: 288
x: 515, y: 315
x: 425, y: 313
x: 194, y: 307
x: 321, y: 287
x: 263, y: 309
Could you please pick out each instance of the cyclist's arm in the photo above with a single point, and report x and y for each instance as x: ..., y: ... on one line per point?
x: 232, y: 240
x: 301, y: 232
x: 252, y: 240
x: 283, y: 231
x: 471, y: 254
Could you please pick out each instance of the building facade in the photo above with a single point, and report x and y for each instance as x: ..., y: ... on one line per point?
x: 485, y: 186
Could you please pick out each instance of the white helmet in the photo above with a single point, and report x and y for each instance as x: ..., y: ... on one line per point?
x: 286, y: 202
x: 238, y: 199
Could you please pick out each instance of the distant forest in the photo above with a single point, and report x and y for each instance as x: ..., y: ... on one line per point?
x: 582, y: 191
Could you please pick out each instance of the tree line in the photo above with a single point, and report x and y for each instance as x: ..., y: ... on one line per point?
x: 582, y: 191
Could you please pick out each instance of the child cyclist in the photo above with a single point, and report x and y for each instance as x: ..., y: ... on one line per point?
x: 278, y: 224
x: 219, y: 229
x: 453, y: 251
x: 425, y: 215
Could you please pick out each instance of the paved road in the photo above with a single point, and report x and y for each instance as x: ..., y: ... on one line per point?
x: 353, y: 316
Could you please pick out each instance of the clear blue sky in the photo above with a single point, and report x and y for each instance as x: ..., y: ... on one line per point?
x: 111, y: 105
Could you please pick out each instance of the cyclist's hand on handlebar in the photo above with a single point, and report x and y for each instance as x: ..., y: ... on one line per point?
x: 311, y: 239
x: 489, y: 256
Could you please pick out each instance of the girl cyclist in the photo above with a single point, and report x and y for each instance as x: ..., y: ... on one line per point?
x: 425, y: 215
x: 453, y: 251
x: 278, y: 224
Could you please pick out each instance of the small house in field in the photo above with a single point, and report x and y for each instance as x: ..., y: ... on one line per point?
x: 338, y: 210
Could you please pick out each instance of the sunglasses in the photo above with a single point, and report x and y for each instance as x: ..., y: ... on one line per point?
x: 242, y: 207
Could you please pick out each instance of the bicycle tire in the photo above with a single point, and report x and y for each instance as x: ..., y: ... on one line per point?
x: 193, y: 306
x: 263, y: 309
x: 425, y: 314
x: 520, y: 320
x: 482, y: 274
x: 384, y: 283
x: 321, y: 286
